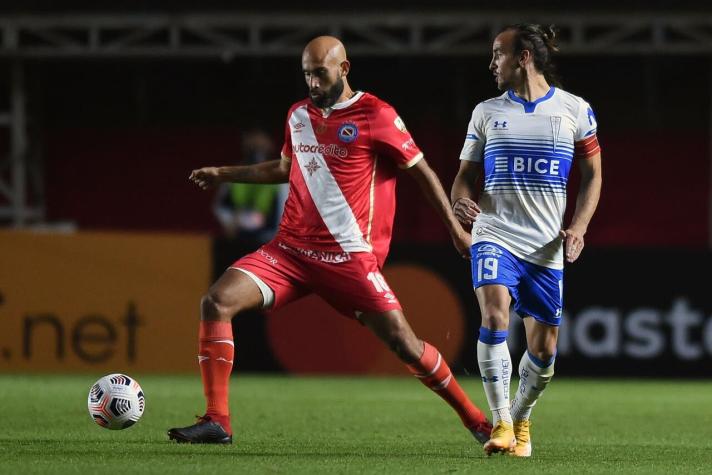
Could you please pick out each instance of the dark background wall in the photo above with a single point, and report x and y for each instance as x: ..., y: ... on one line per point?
x: 129, y: 133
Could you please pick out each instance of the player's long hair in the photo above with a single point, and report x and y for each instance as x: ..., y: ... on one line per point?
x: 540, y: 41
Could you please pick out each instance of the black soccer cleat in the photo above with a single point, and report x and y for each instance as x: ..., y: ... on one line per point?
x: 482, y: 431
x: 205, y: 431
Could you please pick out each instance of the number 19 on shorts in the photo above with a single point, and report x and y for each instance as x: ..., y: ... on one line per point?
x: 486, y: 268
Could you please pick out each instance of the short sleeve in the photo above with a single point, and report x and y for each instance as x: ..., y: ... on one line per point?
x: 287, y: 147
x: 585, y: 140
x: 390, y: 137
x: 475, y: 138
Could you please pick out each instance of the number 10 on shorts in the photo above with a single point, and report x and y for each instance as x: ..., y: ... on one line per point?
x: 378, y: 282
x: 486, y: 268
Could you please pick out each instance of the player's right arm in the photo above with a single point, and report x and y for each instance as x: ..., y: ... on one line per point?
x: 463, y: 192
x: 274, y: 171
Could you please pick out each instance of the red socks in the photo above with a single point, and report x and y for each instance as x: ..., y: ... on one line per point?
x: 433, y: 371
x: 216, y: 351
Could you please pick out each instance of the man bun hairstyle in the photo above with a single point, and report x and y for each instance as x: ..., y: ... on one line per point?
x: 541, y: 42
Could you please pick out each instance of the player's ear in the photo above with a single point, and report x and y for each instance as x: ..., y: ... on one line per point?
x: 344, y: 68
x: 524, y: 58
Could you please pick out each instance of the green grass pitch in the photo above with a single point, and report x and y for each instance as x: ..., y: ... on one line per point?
x: 355, y: 425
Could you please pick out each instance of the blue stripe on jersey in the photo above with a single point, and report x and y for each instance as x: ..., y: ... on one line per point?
x: 563, y: 150
x: 526, y: 178
x: 527, y: 152
x: 527, y: 139
x: 471, y: 137
x: 561, y: 147
x: 502, y: 135
x: 530, y: 144
x: 526, y: 184
x: 515, y: 189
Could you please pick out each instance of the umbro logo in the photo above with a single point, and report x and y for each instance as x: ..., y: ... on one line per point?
x: 498, y: 124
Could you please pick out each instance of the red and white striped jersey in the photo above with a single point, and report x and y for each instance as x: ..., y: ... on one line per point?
x: 343, y: 175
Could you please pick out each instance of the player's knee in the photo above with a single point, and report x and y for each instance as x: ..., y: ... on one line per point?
x: 214, y: 307
x: 495, y: 318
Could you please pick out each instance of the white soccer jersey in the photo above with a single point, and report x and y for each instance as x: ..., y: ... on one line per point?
x: 527, y: 149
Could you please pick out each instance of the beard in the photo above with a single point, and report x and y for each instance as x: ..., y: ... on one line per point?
x: 328, y: 98
x: 503, y: 84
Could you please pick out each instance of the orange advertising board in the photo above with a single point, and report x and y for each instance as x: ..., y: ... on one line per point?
x: 101, y: 302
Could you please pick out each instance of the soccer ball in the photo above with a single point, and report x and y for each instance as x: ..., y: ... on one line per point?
x: 116, y: 401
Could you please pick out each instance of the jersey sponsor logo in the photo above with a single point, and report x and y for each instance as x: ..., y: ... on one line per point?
x: 500, y: 124
x: 348, y: 132
x: 331, y: 149
x: 542, y: 166
x: 298, y: 126
x: 329, y: 257
x: 267, y: 256
x: 400, y: 125
x: 489, y: 250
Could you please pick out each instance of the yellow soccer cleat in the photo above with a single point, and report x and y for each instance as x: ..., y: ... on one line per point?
x: 501, y: 440
x: 524, y: 442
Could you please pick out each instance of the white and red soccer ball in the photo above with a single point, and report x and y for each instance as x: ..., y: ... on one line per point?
x: 116, y: 401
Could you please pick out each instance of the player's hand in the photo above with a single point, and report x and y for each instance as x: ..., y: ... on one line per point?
x: 205, y: 178
x: 462, y: 241
x: 573, y: 243
x: 466, y: 210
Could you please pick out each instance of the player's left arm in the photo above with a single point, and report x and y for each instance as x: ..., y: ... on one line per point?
x: 586, y: 203
x: 433, y: 191
x: 392, y: 139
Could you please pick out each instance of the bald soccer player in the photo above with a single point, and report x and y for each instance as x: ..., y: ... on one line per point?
x: 342, y: 150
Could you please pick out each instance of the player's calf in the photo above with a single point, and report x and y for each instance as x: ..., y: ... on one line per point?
x: 432, y: 370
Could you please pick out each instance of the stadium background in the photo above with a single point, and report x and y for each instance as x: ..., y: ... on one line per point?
x: 104, y: 267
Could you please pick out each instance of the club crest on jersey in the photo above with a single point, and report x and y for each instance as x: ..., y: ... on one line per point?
x: 347, y: 132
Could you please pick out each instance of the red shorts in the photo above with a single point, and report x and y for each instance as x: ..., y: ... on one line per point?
x: 350, y: 282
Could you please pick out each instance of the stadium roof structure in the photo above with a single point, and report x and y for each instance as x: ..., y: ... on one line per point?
x: 231, y: 34
x: 228, y: 35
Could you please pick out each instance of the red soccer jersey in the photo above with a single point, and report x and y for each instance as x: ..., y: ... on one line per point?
x: 343, y: 175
